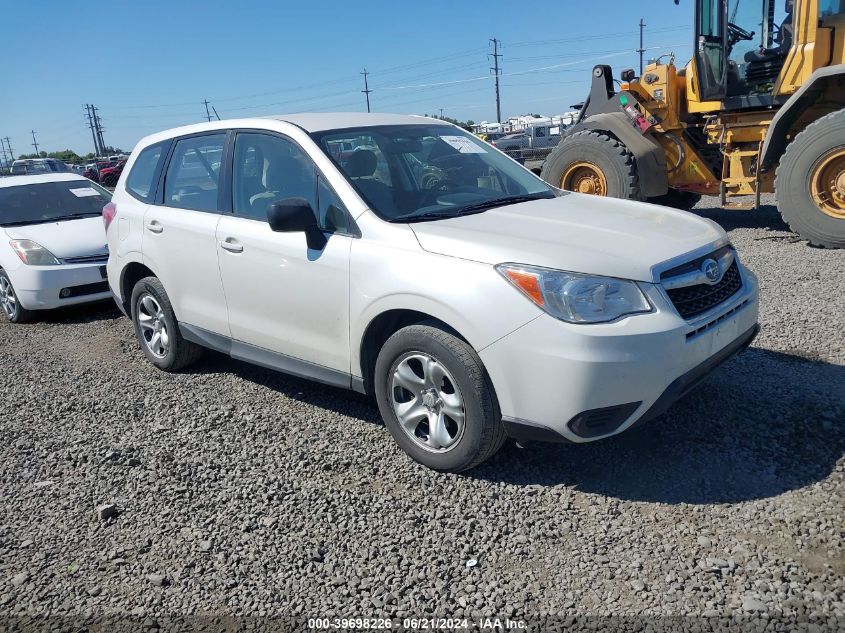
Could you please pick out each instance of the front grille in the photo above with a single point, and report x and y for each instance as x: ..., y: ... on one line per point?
x: 691, y: 301
x: 87, y: 259
x: 85, y: 289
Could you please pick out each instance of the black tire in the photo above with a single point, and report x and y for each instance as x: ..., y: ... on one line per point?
x: 793, y: 182
x: 610, y: 156
x: 179, y: 353
x: 19, y: 314
x: 483, y: 433
x: 684, y: 200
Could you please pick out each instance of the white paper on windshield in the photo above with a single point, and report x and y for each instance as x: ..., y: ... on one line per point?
x: 464, y: 145
x: 85, y: 192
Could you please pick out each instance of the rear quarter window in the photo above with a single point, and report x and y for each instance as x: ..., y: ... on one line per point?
x: 142, y: 179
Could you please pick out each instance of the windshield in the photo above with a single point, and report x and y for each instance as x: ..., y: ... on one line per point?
x: 410, y: 173
x: 48, y: 201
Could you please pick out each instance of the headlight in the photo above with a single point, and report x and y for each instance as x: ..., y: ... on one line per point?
x: 576, y: 298
x: 33, y: 254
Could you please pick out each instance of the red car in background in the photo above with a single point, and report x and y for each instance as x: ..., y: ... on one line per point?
x: 109, y: 175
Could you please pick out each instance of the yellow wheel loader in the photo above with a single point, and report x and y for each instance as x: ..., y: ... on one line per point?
x: 760, y: 108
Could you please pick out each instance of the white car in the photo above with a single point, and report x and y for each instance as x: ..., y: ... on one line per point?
x: 53, y: 249
x: 425, y: 267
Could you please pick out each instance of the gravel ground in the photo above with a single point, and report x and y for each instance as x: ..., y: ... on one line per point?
x: 238, y: 491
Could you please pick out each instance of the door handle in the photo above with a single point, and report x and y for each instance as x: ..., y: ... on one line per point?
x: 154, y: 226
x: 232, y: 245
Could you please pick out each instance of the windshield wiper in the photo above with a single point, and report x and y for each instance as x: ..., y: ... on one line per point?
x: 500, y: 202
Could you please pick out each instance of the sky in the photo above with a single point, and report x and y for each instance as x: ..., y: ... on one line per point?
x: 149, y: 65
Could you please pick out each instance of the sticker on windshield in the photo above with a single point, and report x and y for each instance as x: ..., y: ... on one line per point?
x: 464, y: 145
x: 85, y: 192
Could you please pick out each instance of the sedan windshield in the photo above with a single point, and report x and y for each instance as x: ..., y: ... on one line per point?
x: 51, y: 201
x: 414, y: 173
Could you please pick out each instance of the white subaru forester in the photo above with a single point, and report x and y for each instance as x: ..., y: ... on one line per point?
x: 403, y: 257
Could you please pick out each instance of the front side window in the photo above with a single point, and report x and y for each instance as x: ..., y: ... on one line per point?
x: 268, y: 169
x: 193, y: 175
x: 51, y: 202
x: 411, y: 173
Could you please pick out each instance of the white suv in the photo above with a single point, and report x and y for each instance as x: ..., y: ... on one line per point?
x: 403, y: 257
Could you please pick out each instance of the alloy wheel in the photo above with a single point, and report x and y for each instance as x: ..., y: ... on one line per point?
x: 427, y: 402
x: 153, y: 326
x: 8, y: 300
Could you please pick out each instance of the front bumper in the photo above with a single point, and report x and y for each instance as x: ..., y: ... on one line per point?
x: 40, y: 287
x: 562, y: 382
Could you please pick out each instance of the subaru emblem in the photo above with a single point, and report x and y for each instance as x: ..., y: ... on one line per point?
x: 711, y: 270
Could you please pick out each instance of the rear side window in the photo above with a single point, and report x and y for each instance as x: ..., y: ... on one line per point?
x: 141, y: 180
x: 193, y: 175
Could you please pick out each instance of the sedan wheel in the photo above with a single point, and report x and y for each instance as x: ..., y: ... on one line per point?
x: 8, y: 301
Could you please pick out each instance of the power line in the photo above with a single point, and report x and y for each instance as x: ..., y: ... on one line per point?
x: 366, y: 89
x: 496, y: 71
x: 34, y: 142
x: 215, y: 112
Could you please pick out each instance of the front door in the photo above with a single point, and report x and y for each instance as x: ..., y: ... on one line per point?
x: 711, y: 25
x: 179, y: 241
x: 282, y: 295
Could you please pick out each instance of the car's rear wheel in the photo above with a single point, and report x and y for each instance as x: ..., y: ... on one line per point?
x: 10, y: 305
x: 436, y: 399
x: 157, y: 329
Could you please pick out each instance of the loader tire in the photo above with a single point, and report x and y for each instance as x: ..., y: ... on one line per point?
x: 595, y: 163
x: 810, y: 182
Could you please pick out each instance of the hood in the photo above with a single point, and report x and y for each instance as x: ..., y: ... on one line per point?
x: 575, y: 232
x: 68, y: 238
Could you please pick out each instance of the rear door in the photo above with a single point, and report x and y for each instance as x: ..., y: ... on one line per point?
x: 179, y: 241
x: 711, y: 26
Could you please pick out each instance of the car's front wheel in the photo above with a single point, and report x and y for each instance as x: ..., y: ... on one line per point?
x: 436, y: 399
x: 157, y: 329
x: 10, y: 305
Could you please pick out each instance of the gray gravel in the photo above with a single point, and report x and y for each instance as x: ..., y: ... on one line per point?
x: 232, y: 490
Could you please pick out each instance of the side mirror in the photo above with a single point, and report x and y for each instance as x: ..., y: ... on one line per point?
x: 295, y: 215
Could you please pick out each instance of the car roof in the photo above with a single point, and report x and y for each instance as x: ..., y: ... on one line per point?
x: 34, y: 179
x: 309, y: 121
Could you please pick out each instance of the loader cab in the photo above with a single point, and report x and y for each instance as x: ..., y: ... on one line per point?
x: 744, y: 47
x: 740, y: 46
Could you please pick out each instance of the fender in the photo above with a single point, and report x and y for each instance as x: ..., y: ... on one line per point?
x: 602, y: 111
x: 819, y: 84
x: 649, y: 155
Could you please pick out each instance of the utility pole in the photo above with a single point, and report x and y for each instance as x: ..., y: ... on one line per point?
x: 366, y: 89
x: 6, y: 161
x: 34, y: 142
x: 496, y: 72
x: 99, y: 127
x: 441, y: 113
x: 9, y: 145
x: 641, y: 50
x: 97, y: 150
x: 207, y: 113
x: 215, y: 112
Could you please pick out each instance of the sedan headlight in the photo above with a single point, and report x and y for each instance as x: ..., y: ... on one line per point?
x: 33, y: 254
x: 576, y: 298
